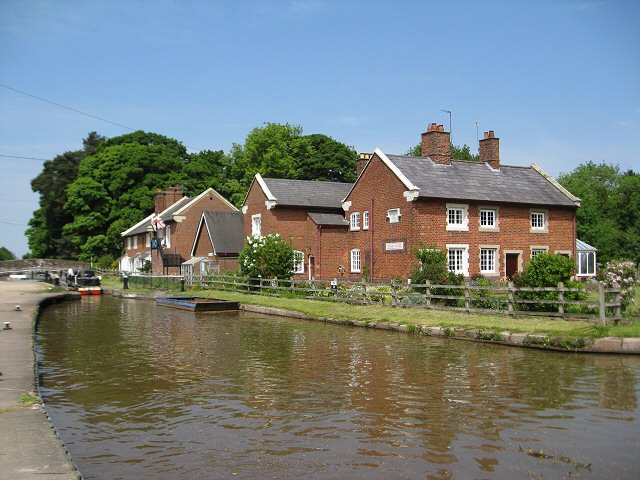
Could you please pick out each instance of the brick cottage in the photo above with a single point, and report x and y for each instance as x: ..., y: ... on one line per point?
x: 166, y: 237
x: 489, y: 218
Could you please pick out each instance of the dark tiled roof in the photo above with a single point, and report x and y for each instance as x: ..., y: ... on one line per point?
x: 226, y: 230
x: 336, y: 219
x: 308, y: 193
x: 477, y: 181
x: 140, y: 229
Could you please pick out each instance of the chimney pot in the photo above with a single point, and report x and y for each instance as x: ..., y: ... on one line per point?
x: 436, y: 144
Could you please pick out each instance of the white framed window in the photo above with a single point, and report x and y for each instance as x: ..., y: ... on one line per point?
x: 355, y: 261
x: 457, y: 217
x: 586, y: 263
x: 256, y: 225
x: 135, y: 242
x: 167, y: 236
x: 365, y: 220
x: 538, y: 221
x: 458, y: 259
x: 147, y: 240
x: 298, y: 261
x: 354, y: 221
x: 393, y: 214
x: 488, y: 260
x: 488, y: 218
x: 128, y: 243
x: 538, y: 250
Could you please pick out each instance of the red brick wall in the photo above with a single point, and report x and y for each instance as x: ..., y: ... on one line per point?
x: 424, y: 221
x: 183, y: 232
x: 295, y: 226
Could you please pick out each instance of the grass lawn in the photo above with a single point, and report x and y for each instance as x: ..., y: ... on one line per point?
x: 376, y: 313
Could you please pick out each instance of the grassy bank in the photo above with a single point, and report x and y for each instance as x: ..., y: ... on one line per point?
x: 376, y: 313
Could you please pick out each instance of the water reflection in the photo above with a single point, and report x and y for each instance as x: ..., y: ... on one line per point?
x: 143, y: 391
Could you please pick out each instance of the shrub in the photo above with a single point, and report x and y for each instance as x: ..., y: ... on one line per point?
x: 544, y: 270
x: 268, y: 256
x: 622, y: 275
x: 432, y: 266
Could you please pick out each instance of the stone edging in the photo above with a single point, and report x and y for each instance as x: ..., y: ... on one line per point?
x: 541, y: 341
x: 49, y: 300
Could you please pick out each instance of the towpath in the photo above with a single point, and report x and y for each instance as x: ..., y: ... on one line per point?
x: 30, y: 448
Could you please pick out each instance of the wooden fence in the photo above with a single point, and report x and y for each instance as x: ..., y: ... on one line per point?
x: 603, y: 305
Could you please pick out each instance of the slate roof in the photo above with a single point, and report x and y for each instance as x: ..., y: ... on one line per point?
x: 308, y: 193
x: 329, y: 219
x: 168, y: 213
x: 226, y: 230
x: 477, y: 181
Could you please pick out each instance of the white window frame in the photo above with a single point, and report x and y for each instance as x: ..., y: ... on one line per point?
x: 463, y: 225
x: 356, y: 261
x: 256, y: 225
x: 128, y: 243
x: 489, y: 227
x: 298, y: 262
x: 537, y: 250
x: 587, y: 254
x: 167, y: 236
x: 537, y: 214
x: 135, y: 242
x: 491, y: 253
x: 365, y: 220
x: 147, y: 240
x: 354, y: 221
x: 464, y: 258
x: 394, y: 215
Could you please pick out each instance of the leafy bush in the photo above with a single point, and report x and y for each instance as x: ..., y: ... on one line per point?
x: 268, y: 256
x: 545, y: 270
x: 432, y: 266
x: 484, y: 298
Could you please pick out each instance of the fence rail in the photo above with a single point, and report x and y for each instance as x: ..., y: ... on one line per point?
x: 565, y: 302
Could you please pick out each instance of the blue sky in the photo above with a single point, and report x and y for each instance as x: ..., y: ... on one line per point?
x: 558, y: 81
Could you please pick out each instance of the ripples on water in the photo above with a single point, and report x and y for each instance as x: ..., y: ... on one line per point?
x: 139, y: 391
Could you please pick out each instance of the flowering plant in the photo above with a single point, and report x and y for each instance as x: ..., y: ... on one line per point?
x: 622, y: 275
x: 268, y: 256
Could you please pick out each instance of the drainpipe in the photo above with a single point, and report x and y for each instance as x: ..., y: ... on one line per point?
x: 319, y: 262
x: 371, y: 255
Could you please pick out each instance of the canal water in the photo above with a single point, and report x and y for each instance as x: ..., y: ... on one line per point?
x: 142, y: 391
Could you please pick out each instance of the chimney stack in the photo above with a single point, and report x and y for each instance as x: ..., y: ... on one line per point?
x: 490, y: 150
x: 436, y: 144
x: 163, y: 199
x: 362, y: 162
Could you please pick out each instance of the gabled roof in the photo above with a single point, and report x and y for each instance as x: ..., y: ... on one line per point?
x: 328, y: 219
x: 302, y: 193
x: 172, y: 210
x: 465, y: 180
x: 138, y: 228
x: 208, y: 191
x: 224, y: 229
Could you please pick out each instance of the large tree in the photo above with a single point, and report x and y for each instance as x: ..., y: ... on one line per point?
x: 457, y: 153
x: 45, y: 232
x: 328, y: 160
x: 609, y: 214
x: 6, y: 254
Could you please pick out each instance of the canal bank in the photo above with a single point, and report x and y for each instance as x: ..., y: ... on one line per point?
x: 31, y: 446
x: 432, y: 323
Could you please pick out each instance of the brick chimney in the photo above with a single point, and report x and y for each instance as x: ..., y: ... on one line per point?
x: 163, y: 199
x: 362, y: 161
x: 490, y: 150
x: 436, y: 144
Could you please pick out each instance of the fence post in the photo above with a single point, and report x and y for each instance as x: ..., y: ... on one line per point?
x: 467, y: 297
x: 428, y: 293
x: 292, y: 283
x: 561, y: 299
x: 393, y: 293
x: 276, y: 287
x: 603, y: 310
x: 364, y: 292
x: 618, y: 306
x: 510, y: 298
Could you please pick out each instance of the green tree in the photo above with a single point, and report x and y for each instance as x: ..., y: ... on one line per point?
x: 115, y: 187
x: 5, y: 254
x: 45, y: 232
x: 268, y: 256
x: 609, y: 214
x: 457, y: 153
x: 329, y: 160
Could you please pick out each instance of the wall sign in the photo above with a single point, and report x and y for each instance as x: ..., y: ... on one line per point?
x: 394, y: 246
